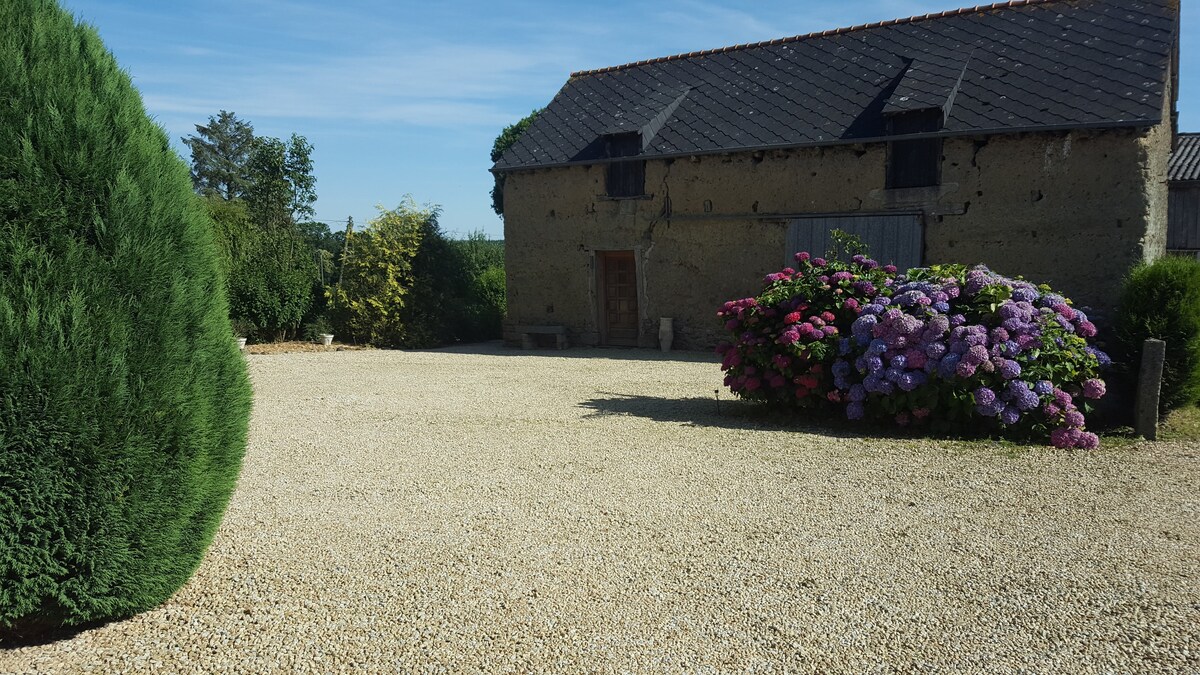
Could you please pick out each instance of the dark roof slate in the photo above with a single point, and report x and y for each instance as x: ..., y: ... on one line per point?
x: 1185, y: 159
x: 1016, y: 66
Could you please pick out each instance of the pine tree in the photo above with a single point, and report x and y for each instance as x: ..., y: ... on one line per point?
x: 123, y: 401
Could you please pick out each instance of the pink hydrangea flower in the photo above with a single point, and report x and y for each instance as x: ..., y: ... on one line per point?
x: 1093, y: 388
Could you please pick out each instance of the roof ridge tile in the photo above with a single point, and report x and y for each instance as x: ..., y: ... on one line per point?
x: 816, y: 34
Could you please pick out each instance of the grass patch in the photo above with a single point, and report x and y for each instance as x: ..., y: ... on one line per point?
x: 1183, y: 424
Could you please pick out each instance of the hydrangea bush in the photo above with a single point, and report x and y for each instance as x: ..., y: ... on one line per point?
x: 953, y: 348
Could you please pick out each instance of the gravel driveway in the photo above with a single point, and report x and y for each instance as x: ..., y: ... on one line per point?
x: 487, y: 509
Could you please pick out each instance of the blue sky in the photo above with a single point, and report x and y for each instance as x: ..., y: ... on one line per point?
x: 403, y: 97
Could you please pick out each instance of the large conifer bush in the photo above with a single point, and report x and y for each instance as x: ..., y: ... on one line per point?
x: 123, y: 400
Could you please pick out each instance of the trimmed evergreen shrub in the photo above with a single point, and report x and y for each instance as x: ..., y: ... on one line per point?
x: 1162, y: 300
x: 123, y: 400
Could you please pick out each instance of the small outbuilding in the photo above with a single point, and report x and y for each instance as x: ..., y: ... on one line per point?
x: 1032, y: 136
x: 1183, y: 210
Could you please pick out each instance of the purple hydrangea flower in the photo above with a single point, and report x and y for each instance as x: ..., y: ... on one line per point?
x: 990, y: 409
x: 1073, y: 418
x: 1043, y: 387
x: 984, y: 396
x: 964, y: 369
x: 1010, y: 415
x: 855, y: 410
x: 1010, y: 369
x: 1022, y: 395
x: 1025, y: 294
x: 976, y: 355
x: 857, y: 393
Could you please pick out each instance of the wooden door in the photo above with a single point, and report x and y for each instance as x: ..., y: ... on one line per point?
x: 618, y: 298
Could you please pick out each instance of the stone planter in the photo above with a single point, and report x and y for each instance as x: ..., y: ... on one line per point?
x: 666, y: 333
x: 241, y: 343
x: 326, y: 338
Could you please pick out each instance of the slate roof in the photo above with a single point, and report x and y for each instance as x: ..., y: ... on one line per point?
x: 1017, y: 66
x: 1185, y: 159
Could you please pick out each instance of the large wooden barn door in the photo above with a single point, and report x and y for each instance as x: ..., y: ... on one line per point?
x: 890, y: 238
x: 618, y: 298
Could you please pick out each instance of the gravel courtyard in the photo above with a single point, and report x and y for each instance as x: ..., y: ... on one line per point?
x: 484, y: 509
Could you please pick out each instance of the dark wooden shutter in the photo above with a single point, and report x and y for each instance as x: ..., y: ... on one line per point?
x: 625, y: 179
x: 918, y: 162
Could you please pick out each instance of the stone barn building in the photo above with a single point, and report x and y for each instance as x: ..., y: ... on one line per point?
x: 1032, y: 136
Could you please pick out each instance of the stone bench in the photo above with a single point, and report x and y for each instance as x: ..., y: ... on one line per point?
x: 528, y: 341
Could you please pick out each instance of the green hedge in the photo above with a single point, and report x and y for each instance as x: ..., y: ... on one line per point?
x: 123, y: 401
x: 1162, y: 300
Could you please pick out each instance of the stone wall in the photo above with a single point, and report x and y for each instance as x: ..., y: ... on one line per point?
x: 1074, y: 209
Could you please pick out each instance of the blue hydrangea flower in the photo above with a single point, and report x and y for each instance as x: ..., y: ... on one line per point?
x: 841, y: 368
x: 1103, y: 358
x: 1043, y: 387
x: 935, y: 350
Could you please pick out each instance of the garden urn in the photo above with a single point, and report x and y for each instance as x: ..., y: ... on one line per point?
x: 666, y: 333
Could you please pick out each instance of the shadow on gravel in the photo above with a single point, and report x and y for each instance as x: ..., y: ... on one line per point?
x: 737, y: 414
x: 38, y: 635
x: 709, y: 412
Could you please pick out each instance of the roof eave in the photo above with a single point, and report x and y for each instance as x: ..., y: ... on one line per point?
x: 1123, y: 124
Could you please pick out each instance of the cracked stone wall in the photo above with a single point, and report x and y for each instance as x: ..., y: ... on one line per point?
x: 1073, y: 209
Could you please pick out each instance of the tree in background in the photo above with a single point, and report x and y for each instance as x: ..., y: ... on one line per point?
x: 221, y: 153
x: 260, y: 192
x: 377, y: 275
x: 125, y: 402
x: 405, y: 284
x: 282, y: 188
x: 504, y: 141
